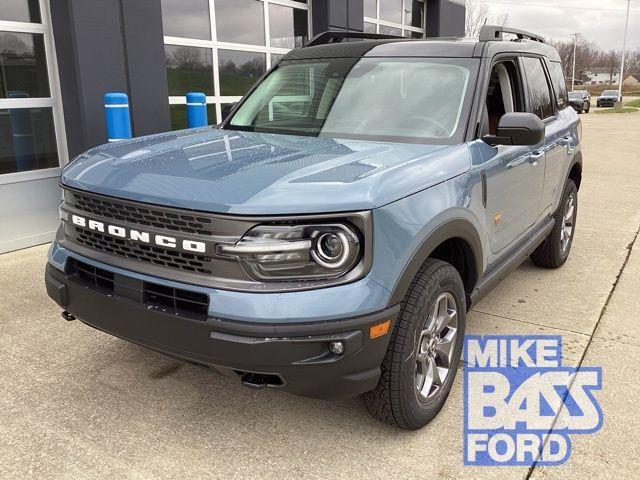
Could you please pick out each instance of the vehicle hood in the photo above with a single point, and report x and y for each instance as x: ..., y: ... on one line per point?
x: 248, y: 173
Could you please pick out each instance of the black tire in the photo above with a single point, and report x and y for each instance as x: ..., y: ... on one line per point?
x: 588, y: 109
x: 581, y: 110
x: 396, y: 399
x: 550, y: 253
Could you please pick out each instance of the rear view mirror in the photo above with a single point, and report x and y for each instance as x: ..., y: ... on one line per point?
x: 517, y: 128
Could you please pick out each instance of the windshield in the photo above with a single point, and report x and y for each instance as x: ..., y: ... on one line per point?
x: 610, y: 93
x: 390, y: 99
x: 575, y: 95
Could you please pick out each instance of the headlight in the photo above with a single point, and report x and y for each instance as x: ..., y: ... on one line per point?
x: 297, y: 252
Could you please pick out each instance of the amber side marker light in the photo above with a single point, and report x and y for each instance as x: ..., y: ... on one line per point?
x: 379, y: 329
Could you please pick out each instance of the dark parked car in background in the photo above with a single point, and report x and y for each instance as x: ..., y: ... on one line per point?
x: 580, y: 100
x: 608, y: 98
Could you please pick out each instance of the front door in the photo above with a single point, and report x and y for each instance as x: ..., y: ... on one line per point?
x: 514, y: 174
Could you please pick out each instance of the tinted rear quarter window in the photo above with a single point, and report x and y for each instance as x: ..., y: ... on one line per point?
x: 539, y: 92
x: 559, y: 84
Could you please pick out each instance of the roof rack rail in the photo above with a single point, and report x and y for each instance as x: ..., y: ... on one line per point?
x: 490, y: 33
x: 337, y: 37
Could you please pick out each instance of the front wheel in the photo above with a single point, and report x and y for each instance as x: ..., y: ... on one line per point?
x: 420, y: 365
x: 554, y: 251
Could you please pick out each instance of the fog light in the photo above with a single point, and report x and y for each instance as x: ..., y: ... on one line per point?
x: 336, y: 347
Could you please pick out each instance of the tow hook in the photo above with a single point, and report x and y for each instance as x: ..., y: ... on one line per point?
x: 68, y: 317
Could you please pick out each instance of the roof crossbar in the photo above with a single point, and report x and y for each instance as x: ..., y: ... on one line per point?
x: 489, y: 33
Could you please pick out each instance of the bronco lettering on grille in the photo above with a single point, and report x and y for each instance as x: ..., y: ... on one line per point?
x: 138, y: 236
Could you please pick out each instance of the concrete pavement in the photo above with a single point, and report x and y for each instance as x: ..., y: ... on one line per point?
x: 77, y: 403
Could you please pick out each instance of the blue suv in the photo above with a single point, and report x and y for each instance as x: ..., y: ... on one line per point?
x: 330, y: 236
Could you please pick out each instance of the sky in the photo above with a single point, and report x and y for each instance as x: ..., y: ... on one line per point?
x: 601, y: 21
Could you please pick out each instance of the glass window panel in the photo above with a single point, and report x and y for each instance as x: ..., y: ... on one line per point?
x: 390, y: 30
x: 416, y: 35
x: 225, y: 109
x: 370, y: 8
x: 361, y: 98
x: 239, y: 71
x: 414, y: 13
x: 288, y: 26
x: 23, y: 66
x: 179, y: 116
x: 20, y: 11
x: 538, y: 88
x: 275, y: 58
x: 369, y: 27
x: 391, y: 10
x: 189, y: 69
x: 27, y: 140
x: 186, y: 18
x: 240, y: 21
x: 559, y: 84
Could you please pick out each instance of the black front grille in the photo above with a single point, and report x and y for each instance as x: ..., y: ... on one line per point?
x: 187, y: 262
x: 175, y: 221
x: 159, y: 297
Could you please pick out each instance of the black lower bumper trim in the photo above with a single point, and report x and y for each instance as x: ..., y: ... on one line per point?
x: 297, y: 354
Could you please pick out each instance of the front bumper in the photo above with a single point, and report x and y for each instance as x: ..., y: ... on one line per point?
x: 291, y: 356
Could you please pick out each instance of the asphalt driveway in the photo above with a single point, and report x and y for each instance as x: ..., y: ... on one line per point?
x: 77, y: 403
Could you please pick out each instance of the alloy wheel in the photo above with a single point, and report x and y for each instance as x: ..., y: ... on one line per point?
x: 568, y: 223
x: 436, y: 346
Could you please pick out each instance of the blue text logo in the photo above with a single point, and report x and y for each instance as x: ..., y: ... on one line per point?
x: 521, y: 405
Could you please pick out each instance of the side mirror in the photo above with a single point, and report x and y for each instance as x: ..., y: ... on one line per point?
x: 517, y: 128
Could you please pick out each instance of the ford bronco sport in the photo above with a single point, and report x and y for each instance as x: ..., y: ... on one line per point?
x: 330, y: 236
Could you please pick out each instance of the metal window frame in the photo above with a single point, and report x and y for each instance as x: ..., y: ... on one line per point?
x: 53, y: 101
x: 401, y: 26
x: 214, y: 45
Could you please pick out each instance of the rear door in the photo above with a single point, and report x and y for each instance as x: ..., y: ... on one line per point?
x: 558, y: 141
x: 562, y: 140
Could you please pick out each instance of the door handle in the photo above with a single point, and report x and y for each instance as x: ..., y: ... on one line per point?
x: 535, y: 156
x: 566, y: 140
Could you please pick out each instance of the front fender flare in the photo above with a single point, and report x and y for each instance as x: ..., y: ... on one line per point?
x: 450, y: 229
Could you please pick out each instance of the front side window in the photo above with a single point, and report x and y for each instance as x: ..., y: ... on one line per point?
x: 419, y: 100
x: 539, y: 93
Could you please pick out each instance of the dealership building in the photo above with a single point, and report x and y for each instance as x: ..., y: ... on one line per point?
x: 59, y: 57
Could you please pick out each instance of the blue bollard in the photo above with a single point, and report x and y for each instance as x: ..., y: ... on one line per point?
x: 196, y: 110
x: 116, y: 109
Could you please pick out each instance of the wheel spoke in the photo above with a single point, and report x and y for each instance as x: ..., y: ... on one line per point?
x: 444, y: 347
x: 435, y: 373
x: 569, y: 210
x: 422, y: 371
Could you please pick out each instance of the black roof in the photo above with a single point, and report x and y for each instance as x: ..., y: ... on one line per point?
x: 490, y: 43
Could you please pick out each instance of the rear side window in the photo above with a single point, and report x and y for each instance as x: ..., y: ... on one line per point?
x: 539, y: 92
x: 559, y: 84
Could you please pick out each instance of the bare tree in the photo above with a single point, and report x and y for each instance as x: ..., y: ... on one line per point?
x: 633, y: 62
x: 611, y: 61
x: 187, y: 58
x: 587, y: 56
x: 478, y: 15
